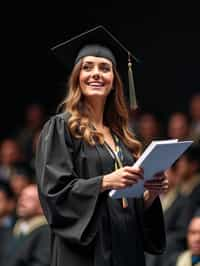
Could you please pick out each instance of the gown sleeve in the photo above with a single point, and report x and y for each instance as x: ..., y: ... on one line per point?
x: 69, y: 202
x: 154, y: 229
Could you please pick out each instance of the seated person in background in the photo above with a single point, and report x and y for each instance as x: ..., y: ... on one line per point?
x: 34, y: 117
x: 188, y: 167
x: 191, y: 257
x: 10, y: 153
x: 30, y: 244
x: 7, y: 205
x: 22, y: 176
x: 178, y: 126
x: 148, y: 128
x: 194, y: 110
x: 7, y: 217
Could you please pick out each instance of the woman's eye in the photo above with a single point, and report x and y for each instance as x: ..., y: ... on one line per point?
x: 102, y: 68
x: 105, y: 69
x: 86, y: 67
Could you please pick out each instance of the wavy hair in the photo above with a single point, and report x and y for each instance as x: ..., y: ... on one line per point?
x: 115, y: 113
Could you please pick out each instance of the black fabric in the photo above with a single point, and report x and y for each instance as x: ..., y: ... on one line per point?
x: 96, y: 50
x: 88, y: 228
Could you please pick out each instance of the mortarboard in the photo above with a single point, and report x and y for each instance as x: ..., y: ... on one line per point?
x: 101, y: 43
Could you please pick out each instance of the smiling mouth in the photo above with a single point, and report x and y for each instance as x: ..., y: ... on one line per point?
x: 95, y: 84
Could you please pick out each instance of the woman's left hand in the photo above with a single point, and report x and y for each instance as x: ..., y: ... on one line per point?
x: 155, y: 187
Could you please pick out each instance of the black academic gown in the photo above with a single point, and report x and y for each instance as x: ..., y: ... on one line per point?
x: 88, y: 228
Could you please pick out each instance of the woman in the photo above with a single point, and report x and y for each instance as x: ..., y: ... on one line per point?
x: 86, y: 151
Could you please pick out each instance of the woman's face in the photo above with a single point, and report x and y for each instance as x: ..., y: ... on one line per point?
x: 96, y: 76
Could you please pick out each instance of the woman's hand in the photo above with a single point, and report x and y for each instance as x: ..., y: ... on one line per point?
x: 155, y: 187
x: 122, y: 178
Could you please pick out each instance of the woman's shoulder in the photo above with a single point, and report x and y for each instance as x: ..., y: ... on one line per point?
x: 64, y: 116
x: 53, y: 120
x: 56, y: 125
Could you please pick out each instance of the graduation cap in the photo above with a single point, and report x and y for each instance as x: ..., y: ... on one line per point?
x: 99, y: 42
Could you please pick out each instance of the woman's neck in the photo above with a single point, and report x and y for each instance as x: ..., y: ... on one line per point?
x: 97, y: 110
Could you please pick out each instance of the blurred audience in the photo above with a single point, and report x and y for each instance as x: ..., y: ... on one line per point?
x: 7, y: 214
x: 29, y: 244
x: 21, y: 176
x: 34, y: 146
x: 191, y: 257
x: 188, y: 167
x: 10, y: 153
x: 34, y: 119
x: 194, y: 111
x: 148, y: 128
x: 7, y: 205
x: 178, y: 126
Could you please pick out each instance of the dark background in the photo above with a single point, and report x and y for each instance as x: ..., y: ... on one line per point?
x: 165, y: 37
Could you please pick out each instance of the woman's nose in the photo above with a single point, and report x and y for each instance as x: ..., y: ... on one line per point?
x: 96, y: 73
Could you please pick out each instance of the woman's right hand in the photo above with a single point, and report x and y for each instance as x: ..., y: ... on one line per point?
x: 122, y: 178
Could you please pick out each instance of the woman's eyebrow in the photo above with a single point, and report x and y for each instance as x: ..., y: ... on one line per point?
x: 88, y: 62
x: 100, y: 63
x: 105, y: 64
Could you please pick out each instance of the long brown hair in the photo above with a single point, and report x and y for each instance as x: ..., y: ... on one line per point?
x: 115, y: 113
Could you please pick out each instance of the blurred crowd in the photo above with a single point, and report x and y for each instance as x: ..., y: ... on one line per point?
x: 23, y: 229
